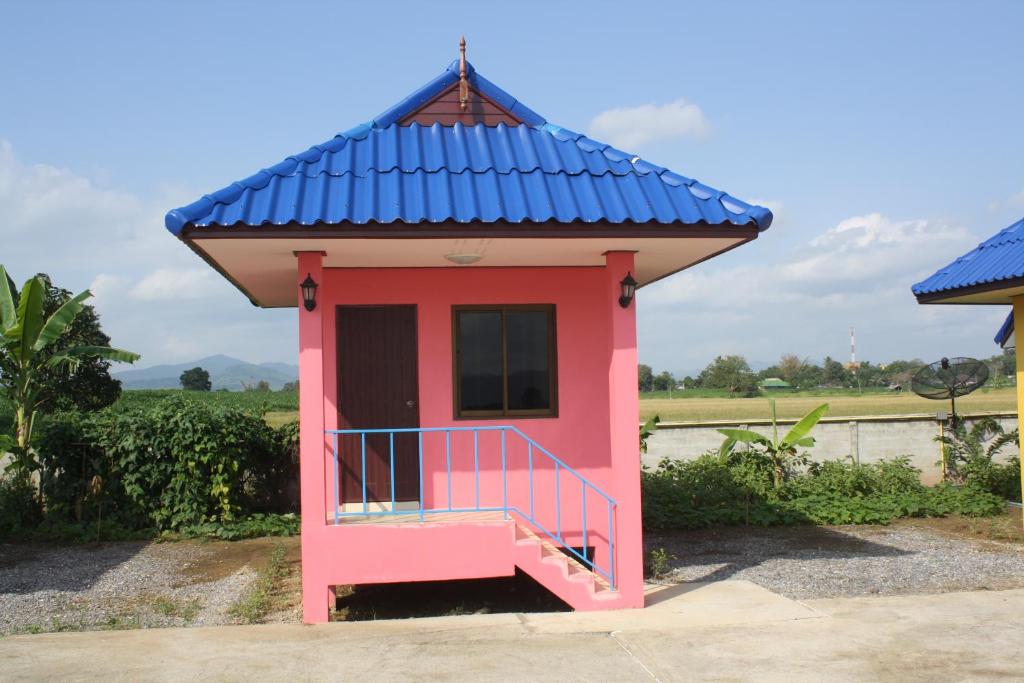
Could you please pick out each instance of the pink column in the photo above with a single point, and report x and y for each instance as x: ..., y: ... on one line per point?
x: 315, y: 592
x: 624, y: 418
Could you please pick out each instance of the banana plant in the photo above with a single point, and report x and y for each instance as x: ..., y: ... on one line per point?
x: 27, y: 339
x: 780, y: 451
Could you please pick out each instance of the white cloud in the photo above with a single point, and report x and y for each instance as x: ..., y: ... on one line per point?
x: 153, y: 294
x: 106, y: 287
x: 857, y: 273
x: 167, y: 284
x: 631, y: 127
x: 1013, y: 202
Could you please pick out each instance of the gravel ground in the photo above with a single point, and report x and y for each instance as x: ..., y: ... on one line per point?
x: 144, y: 585
x: 114, y: 585
x: 822, y: 562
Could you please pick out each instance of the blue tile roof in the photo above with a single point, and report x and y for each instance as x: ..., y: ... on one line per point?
x: 1000, y: 257
x: 383, y: 172
x: 1005, y: 330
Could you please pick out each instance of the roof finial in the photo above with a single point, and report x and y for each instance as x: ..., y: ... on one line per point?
x: 463, y: 85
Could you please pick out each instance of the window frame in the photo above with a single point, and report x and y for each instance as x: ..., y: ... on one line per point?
x: 505, y: 412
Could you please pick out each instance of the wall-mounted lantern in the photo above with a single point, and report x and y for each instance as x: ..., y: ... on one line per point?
x: 628, y: 286
x: 308, y: 287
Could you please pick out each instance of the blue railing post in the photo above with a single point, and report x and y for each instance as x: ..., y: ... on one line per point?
x: 391, y: 439
x: 334, y: 450
x: 583, y: 488
x: 504, y: 478
x: 421, y: 473
x: 363, y: 447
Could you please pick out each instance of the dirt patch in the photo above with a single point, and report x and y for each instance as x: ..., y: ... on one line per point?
x: 133, y: 584
x: 227, y: 557
x: 1002, y: 529
x: 286, y: 599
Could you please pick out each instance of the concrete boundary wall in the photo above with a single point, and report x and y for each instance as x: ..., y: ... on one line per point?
x: 865, y: 439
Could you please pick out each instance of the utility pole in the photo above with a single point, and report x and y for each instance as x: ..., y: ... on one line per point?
x: 853, y: 358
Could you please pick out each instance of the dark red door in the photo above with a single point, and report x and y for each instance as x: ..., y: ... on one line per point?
x: 378, y: 389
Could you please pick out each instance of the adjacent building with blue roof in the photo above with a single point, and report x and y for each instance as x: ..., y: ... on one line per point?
x: 992, y: 272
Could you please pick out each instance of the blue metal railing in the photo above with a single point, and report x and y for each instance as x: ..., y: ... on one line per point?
x: 530, y: 515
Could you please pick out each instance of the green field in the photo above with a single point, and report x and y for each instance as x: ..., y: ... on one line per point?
x: 265, y: 401
x: 701, y: 406
x: 694, y: 405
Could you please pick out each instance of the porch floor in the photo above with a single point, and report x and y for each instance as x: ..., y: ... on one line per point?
x: 414, y: 518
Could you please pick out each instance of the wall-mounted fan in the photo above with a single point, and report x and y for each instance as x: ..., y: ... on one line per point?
x: 949, y: 378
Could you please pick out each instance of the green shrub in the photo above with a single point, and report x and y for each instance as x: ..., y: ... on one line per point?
x: 1001, y: 479
x: 19, y: 509
x: 712, y: 490
x: 252, y: 526
x: 847, y: 479
x: 168, y: 464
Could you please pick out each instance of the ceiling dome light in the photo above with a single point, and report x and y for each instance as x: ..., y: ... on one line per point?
x: 463, y: 259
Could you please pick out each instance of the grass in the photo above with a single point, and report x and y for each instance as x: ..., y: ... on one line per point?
x: 279, y: 418
x: 258, y: 602
x: 169, y: 607
x: 697, y: 405
x: 700, y: 408
x: 1004, y: 528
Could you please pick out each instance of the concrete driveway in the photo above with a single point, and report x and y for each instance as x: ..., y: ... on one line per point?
x: 728, y: 630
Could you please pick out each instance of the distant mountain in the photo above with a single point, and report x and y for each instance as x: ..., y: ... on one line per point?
x: 225, y: 373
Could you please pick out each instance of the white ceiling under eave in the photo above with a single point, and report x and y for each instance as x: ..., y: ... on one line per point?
x: 265, y: 268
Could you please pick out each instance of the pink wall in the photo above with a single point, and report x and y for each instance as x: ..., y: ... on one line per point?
x: 596, y: 355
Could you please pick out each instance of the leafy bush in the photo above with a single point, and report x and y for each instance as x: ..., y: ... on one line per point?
x: 972, y: 449
x: 738, y: 489
x: 847, y: 479
x: 19, y: 509
x: 254, y: 526
x: 1001, y: 479
x: 174, y: 463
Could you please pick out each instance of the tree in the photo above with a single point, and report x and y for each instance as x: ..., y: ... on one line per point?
x: 728, y: 372
x: 971, y: 451
x: 646, y: 376
x: 291, y: 386
x: 781, y: 452
x: 196, y: 379
x: 809, y: 377
x: 790, y: 366
x: 833, y: 373
x: 664, y: 381
x: 29, y: 348
x: 87, y: 386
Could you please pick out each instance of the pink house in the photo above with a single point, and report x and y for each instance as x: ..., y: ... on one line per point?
x: 464, y: 272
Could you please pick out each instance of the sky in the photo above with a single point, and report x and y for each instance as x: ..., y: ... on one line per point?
x: 885, y: 136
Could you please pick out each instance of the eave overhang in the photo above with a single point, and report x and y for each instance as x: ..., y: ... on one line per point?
x: 261, y: 263
x: 1000, y: 292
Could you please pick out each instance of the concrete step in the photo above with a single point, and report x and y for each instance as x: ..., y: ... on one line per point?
x: 560, y: 573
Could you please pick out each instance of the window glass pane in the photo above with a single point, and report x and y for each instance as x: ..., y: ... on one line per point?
x: 480, y: 360
x: 529, y: 385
